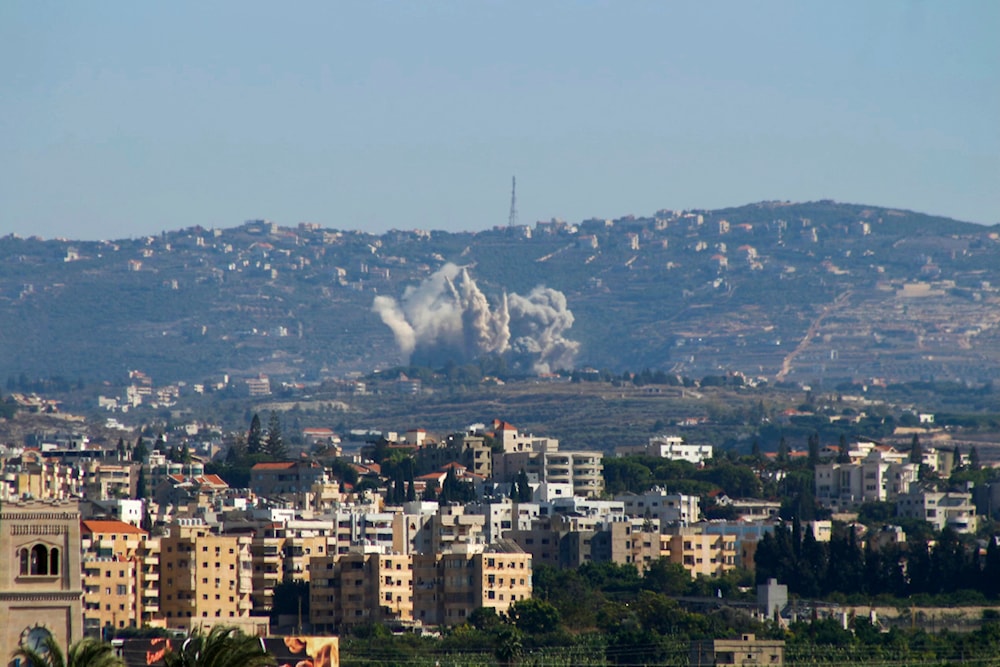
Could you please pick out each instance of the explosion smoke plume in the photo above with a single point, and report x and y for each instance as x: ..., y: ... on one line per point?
x: 447, y: 316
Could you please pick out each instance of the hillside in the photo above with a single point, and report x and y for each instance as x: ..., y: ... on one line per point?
x: 810, y: 292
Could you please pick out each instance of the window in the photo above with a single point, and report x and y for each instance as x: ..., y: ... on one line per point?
x: 38, y: 561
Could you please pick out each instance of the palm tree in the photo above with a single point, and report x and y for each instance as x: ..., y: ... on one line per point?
x: 221, y: 647
x: 86, y: 652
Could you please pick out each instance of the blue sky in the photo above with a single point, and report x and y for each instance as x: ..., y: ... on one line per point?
x: 119, y: 119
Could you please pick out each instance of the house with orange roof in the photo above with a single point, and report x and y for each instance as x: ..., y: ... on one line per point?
x: 286, y: 477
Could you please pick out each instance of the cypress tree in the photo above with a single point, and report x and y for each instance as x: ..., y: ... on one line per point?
x: 140, y: 452
x: 813, y: 449
x: 844, y: 456
x: 916, y: 450
x: 274, y: 444
x: 255, y: 436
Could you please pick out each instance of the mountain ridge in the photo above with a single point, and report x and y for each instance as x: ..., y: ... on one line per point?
x: 693, y: 292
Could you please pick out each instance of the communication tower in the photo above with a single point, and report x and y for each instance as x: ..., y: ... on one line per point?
x: 512, y: 220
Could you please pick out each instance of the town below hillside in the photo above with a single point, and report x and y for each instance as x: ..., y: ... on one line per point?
x: 487, y: 542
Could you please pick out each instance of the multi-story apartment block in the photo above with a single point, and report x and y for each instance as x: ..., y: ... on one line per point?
x: 630, y: 542
x: 286, y: 478
x: 583, y: 470
x: 206, y: 579
x: 110, y: 478
x: 940, y: 509
x: 367, y: 585
x: 448, y: 587
x: 453, y: 525
x: 35, y: 477
x: 700, y: 553
x: 542, y: 540
x: 502, y: 515
x: 113, y: 575
x: 667, y: 508
x: 874, y: 478
x: 158, y: 468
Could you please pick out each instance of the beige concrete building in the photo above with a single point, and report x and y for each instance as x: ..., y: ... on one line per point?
x: 206, y: 579
x: 703, y: 554
x: 41, y: 479
x: 366, y: 585
x: 40, y: 585
x: 112, y: 575
x: 447, y: 587
x: 747, y: 650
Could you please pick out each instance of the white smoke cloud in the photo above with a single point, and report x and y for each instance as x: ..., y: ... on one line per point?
x: 448, y: 316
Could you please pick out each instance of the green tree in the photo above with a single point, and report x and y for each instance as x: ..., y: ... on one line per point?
x: 87, y: 652
x: 508, y: 645
x: 844, y: 455
x: 521, y: 492
x: 291, y: 598
x: 274, y: 443
x: 221, y: 647
x: 813, y: 450
x: 255, y: 436
x: 916, y: 450
x: 140, y: 452
x: 662, y: 576
x: 534, y: 616
x: 782, y: 450
x: 974, y: 458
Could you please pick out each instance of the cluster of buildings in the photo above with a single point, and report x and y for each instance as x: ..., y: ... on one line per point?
x: 91, y: 555
x: 880, y: 473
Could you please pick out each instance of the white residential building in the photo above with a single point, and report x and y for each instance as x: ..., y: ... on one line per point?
x: 669, y: 447
x: 940, y: 509
x: 874, y: 478
x: 667, y: 508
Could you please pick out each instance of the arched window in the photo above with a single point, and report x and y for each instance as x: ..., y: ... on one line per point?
x: 39, y: 559
x: 53, y: 561
x: 22, y: 556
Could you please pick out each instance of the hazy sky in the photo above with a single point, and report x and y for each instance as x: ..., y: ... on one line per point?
x: 119, y: 119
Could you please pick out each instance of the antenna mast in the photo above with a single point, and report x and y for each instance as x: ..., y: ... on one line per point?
x: 512, y: 221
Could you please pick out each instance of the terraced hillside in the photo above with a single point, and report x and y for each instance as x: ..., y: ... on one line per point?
x: 804, y: 291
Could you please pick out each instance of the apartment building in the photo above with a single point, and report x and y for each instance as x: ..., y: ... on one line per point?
x: 113, y: 565
x: 941, y: 509
x: 286, y: 478
x: 206, y: 579
x: 367, y: 585
x: 582, y: 470
x: 448, y: 587
x: 877, y: 477
x: 701, y: 554
x: 34, y: 476
x: 669, y: 447
x: 667, y: 508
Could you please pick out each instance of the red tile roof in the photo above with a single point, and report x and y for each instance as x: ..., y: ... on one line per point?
x: 102, y: 527
x: 281, y: 465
